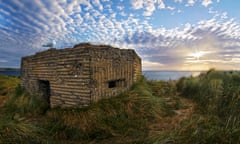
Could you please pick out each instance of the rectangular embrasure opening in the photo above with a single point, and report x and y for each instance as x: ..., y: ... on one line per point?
x: 116, y: 83
x: 112, y: 84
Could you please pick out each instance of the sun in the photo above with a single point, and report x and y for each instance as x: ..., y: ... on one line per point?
x: 197, y: 55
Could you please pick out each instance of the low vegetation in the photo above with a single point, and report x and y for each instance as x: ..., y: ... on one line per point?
x: 7, y: 87
x: 203, y: 109
x: 131, y: 117
x: 217, y: 115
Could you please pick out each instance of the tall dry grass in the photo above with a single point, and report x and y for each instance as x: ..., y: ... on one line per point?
x: 217, y: 119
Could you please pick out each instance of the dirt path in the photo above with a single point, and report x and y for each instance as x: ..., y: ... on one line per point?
x: 168, y: 123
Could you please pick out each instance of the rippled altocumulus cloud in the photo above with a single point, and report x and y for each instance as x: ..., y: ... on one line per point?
x: 166, y: 34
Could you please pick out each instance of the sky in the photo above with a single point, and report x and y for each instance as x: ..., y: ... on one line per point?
x: 166, y: 34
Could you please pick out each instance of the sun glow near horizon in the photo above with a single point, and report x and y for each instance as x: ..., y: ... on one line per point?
x: 167, y: 35
x: 197, y: 55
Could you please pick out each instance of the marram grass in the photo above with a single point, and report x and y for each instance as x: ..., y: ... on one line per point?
x: 217, y: 116
x: 122, y: 119
x: 7, y: 85
x: 152, y: 112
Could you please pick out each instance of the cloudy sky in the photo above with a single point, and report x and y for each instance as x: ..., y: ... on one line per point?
x: 167, y: 34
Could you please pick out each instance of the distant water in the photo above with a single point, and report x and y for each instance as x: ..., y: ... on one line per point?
x: 150, y: 75
x: 168, y: 75
x: 10, y: 73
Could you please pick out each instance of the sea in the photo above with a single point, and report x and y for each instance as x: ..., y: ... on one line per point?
x: 150, y: 75
x: 10, y: 73
x: 169, y: 75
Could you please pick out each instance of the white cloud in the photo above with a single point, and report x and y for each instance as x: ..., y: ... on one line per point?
x: 149, y: 9
x: 180, y: 1
x: 171, y: 8
x: 3, y: 12
x: 206, y: 2
x: 160, y: 47
x: 149, y: 6
x: 98, y: 4
x: 71, y: 6
x: 148, y: 65
x: 211, y: 11
x: 87, y: 16
x: 3, y: 61
x: 120, y: 8
x: 113, y: 15
x: 191, y: 2
x: 179, y: 11
x: 123, y: 13
x: 210, y: 38
x: 161, y: 4
x: 137, y: 4
x: 78, y: 19
x: 224, y: 15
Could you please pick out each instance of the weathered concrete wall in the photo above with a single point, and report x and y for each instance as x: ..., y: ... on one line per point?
x: 80, y: 75
x: 112, y: 71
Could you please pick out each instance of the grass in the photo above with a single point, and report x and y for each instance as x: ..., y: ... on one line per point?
x: 7, y: 87
x: 126, y: 118
x: 216, y: 120
x: 17, y: 130
x: 123, y: 119
x: 23, y: 103
x: 16, y: 113
x: 201, y: 110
